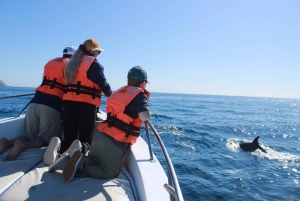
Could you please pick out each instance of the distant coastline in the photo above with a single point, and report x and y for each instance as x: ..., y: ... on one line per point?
x: 2, y: 83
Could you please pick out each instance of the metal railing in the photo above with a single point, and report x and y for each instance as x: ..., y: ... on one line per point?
x: 15, y: 96
x: 173, y: 186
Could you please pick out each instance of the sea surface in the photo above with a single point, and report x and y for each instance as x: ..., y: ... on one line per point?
x: 202, y: 135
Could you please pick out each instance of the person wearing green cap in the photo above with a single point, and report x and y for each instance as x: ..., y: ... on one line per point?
x: 126, y: 110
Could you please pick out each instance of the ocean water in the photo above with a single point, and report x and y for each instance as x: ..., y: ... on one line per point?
x: 202, y: 135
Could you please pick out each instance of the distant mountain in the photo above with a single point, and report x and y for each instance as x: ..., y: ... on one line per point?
x: 2, y: 83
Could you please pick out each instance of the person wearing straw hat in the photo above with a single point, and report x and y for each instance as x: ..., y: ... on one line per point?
x: 85, y: 84
x: 43, y: 118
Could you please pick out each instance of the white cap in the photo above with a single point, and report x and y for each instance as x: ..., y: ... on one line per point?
x: 70, y: 50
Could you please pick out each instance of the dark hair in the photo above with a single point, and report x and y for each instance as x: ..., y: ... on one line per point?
x: 135, y: 83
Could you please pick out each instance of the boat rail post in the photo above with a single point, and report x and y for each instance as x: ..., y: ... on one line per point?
x: 23, y: 109
x: 149, y: 142
x: 172, y: 178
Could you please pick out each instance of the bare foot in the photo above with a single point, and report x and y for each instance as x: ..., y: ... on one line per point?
x: 15, y: 152
x: 3, y: 145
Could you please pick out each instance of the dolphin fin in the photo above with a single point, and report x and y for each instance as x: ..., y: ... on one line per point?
x: 261, y: 149
x: 255, y: 141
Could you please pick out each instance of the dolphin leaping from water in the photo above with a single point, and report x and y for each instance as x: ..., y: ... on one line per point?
x: 251, y: 146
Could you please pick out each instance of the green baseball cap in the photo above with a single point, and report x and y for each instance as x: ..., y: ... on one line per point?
x: 137, y: 73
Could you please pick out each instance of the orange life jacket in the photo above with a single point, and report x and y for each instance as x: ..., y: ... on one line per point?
x: 53, y: 78
x: 83, y: 89
x: 118, y: 125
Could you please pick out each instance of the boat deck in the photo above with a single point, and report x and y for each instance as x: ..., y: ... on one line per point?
x: 27, y: 178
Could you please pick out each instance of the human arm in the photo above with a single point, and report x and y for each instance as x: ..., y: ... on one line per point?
x: 101, y: 80
x: 96, y: 74
x: 145, y: 115
x: 139, y: 107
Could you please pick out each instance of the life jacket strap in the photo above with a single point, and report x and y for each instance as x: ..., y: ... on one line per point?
x: 80, y: 89
x: 53, y: 83
x: 129, y: 129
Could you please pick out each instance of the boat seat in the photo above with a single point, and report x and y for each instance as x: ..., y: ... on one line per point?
x: 27, y: 178
x: 39, y: 184
x: 11, y: 171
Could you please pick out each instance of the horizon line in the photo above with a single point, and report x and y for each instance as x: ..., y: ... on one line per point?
x: 248, y: 96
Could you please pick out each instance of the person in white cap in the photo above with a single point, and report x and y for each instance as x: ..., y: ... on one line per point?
x: 43, y: 118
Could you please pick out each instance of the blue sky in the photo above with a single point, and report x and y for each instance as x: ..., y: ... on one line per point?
x: 240, y: 48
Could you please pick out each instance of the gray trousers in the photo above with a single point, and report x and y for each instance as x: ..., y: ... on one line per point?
x: 104, y: 159
x: 41, y: 122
